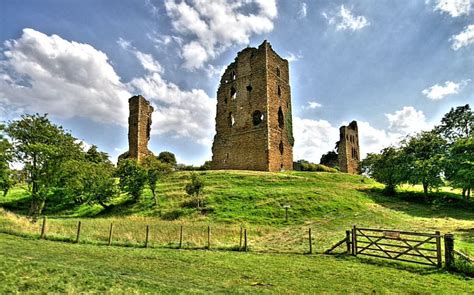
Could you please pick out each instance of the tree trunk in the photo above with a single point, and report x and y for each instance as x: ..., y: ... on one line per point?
x: 468, y: 193
x: 464, y: 190
x: 154, y: 196
x: 425, y: 188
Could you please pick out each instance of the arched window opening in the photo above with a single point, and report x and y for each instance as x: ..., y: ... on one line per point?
x: 257, y: 118
x: 280, y: 147
x: 231, y: 120
x: 232, y: 76
x: 249, y: 88
x: 279, y: 90
x: 278, y: 71
x: 233, y: 92
x: 281, y: 119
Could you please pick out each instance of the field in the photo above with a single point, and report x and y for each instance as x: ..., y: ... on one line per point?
x: 328, y: 203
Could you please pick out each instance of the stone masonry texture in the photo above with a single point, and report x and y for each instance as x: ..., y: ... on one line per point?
x: 348, y: 148
x: 139, y: 127
x: 253, y: 119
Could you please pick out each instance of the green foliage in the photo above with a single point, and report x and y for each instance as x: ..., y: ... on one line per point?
x: 304, y: 165
x: 6, y: 180
x: 167, y: 157
x: 88, y: 182
x: 42, y: 147
x: 206, y: 166
x: 329, y: 159
x: 424, y: 155
x: 388, y: 168
x: 133, y: 178
x: 195, y: 188
x: 155, y: 169
x: 95, y: 156
x: 459, y: 166
x: 457, y: 123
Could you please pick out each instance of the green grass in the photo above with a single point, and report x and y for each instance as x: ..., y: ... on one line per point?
x: 43, y: 267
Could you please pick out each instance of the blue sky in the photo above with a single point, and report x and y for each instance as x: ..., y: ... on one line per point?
x: 395, y: 66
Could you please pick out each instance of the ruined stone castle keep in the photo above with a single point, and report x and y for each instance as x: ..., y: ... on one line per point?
x: 139, y: 127
x: 253, y: 120
x: 348, y: 148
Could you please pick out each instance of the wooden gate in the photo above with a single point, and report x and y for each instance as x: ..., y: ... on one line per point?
x: 421, y: 248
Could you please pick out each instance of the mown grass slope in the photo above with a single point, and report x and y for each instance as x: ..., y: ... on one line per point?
x: 39, y: 266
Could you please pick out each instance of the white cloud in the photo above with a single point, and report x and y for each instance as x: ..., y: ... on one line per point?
x: 146, y: 60
x: 343, y: 19
x: 303, y: 12
x: 313, y: 105
x: 210, y: 27
x: 313, y: 138
x: 63, y: 78
x: 453, y: 7
x: 438, y: 92
x: 291, y: 57
x: 407, y: 120
x: 464, y: 38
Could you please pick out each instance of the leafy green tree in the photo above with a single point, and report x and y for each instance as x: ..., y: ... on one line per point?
x: 457, y: 123
x: 42, y: 147
x: 96, y: 156
x: 424, y: 155
x: 206, y: 166
x: 195, y: 188
x: 459, y: 167
x: 167, y: 157
x: 330, y: 159
x: 155, y: 169
x: 5, y: 157
x: 388, y: 168
x: 133, y: 178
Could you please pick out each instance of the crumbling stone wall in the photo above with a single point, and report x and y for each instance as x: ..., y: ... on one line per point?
x: 348, y: 148
x: 139, y: 127
x: 253, y: 119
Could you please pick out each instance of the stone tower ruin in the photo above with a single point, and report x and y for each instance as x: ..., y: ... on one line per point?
x: 348, y: 148
x: 139, y: 127
x: 253, y: 120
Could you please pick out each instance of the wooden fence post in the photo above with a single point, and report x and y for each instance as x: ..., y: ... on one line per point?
x: 449, y: 250
x: 438, y: 249
x: 147, y: 235
x: 180, y: 236
x: 348, y: 241
x: 245, y: 240
x: 78, y: 231
x: 208, y: 237
x: 110, y: 233
x: 354, y: 241
x: 310, y: 241
x: 241, y: 234
x: 43, y: 228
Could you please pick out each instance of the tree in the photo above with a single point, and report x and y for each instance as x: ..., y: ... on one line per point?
x: 167, y: 157
x: 5, y: 157
x: 96, y: 156
x: 155, y: 169
x: 424, y: 154
x: 42, y: 147
x: 457, y: 123
x: 330, y: 159
x: 195, y: 188
x: 386, y: 167
x: 133, y: 177
x: 459, y: 166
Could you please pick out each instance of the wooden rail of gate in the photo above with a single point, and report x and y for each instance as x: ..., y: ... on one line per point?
x: 421, y: 248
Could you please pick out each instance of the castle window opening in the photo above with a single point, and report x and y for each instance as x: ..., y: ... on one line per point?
x: 257, y: 118
x: 233, y: 76
x: 233, y: 92
x: 280, y: 118
x: 279, y: 90
x: 249, y: 88
x: 280, y: 147
x: 231, y: 120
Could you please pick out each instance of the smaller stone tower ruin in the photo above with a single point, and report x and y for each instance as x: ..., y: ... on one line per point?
x: 139, y: 128
x: 348, y: 148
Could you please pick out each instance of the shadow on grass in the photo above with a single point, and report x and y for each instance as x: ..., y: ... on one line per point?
x: 435, y: 205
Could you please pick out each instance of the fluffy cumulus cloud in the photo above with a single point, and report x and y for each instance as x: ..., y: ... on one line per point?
x: 454, y: 8
x: 210, y: 27
x: 313, y: 138
x: 438, y: 92
x: 41, y: 73
x: 464, y: 38
x: 303, y: 12
x: 344, y: 20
